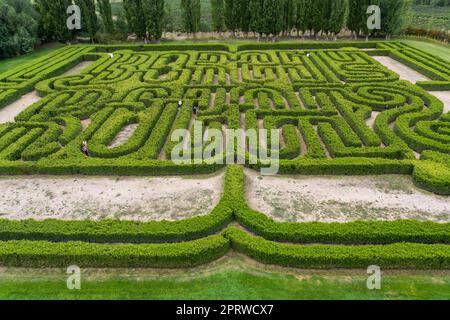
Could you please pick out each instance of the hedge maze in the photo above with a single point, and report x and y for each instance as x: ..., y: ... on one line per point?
x: 337, y: 110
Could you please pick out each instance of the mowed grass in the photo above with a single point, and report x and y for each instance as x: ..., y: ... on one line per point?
x: 436, y: 49
x: 232, y: 278
x: 7, y: 64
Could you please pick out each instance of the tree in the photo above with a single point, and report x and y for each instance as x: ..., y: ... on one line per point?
x: 318, y: 12
x: 135, y: 17
x: 18, y: 27
x: 53, y: 23
x: 244, y: 15
x: 120, y: 23
x: 289, y: 10
x: 256, y: 16
x: 89, y: 21
x: 154, y: 18
x: 217, y: 12
x: 354, y: 17
x: 169, y: 25
x: 338, y: 16
x: 191, y: 15
x: 394, y: 15
x: 273, y: 17
x: 232, y: 15
x: 303, y: 16
x: 104, y: 7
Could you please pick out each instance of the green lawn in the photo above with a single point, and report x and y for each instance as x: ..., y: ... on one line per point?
x: 7, y: 64
x: 441, y: 51
x: 232, y: 278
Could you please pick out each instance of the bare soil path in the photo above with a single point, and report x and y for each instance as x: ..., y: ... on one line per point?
x: 343, y: 198
x: 127, y: 198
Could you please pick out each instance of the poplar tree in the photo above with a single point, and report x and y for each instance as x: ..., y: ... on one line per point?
x: 217, y: 13
x: 244, y: 15
x: 53, y: 22
x: 89, y: 21
x: 289, y: 8
x: 104, y: 7
x: 154, y: 18
x: 191, y: 15
x: 232, y: 17
x: 256, y: 13
x: 135, y: 17
x: 338, y: 17
x: 303, y: 16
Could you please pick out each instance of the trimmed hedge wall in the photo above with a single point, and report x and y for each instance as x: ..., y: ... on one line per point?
x: 42, y: 254
x: 393, y: 256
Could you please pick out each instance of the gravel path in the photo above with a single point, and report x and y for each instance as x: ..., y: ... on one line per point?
x: 343, y: 198
x: 128, y: 198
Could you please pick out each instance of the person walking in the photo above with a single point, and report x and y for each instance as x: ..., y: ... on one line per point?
x: 180, y: 104
x: 85, y: 148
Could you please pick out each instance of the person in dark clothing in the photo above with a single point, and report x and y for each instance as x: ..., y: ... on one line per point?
x: 180, y: 104
x: 85, y: 148
x: 195, y: 108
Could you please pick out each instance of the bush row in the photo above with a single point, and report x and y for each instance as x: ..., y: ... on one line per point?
x: 392, y: 256
x: 42, y: 254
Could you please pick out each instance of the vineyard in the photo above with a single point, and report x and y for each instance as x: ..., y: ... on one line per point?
x: 338, y: 112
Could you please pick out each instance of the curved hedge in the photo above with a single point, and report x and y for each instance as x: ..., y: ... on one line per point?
x: 392, y: 256
x: 41, y: 254
x: 320, y: 96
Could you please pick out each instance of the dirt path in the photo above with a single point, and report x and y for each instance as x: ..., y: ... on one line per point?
x: 78, y: 68
x: 8, y: 113
x: 124, y: 135
x: 405, y: 73
x: 444, y: 96
x: 341, y: 198
x: 128, y: 198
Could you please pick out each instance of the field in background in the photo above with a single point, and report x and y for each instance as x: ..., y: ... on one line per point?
x: 431, y: 18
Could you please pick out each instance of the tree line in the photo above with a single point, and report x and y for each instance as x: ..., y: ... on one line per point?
x: 272, y: 18
x: 307, y: 17
x: 24, y: 23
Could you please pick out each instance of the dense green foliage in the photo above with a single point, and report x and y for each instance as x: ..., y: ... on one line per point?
x: 105, y: 10
x: 393, y: 256
x: 218, y: 17
x: 89, y: 16
x: 191, y: 15
x: 18, y: 27
x: 53, y: 23
x: 145, y: 18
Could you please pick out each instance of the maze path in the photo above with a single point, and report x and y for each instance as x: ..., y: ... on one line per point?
x: 325, y: 103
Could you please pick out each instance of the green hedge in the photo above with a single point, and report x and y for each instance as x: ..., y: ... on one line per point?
x: 361, y: 232
x: 432, y: 176
x: 42, y: 254
x: 393, y: 256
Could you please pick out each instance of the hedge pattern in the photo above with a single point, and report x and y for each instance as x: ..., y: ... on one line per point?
x: 329, y: 102
x: 337, y: 110
x: 113, y: 243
